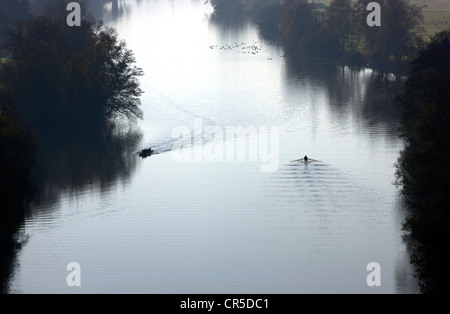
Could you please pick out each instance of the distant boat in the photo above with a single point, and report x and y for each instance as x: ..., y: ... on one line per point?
x: 302, y: 160
x: 147, y: 153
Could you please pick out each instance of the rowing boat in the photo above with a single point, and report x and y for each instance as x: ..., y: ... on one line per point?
x: 302, y: 160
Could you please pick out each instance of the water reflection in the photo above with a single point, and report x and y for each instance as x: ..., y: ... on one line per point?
x: 97, y: 8
x: 11, y: 240
x: 319, y: 203
x: 228, y: 21
x: 96, y: 161
x: 360, y: 95
x: 119, y: 8
x: 112, y: 10
x: 66, y: 167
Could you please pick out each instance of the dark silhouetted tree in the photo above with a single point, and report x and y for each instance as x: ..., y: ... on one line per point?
x: 339, y: 30
x: 422, y: 170
x: 399, y: 33
x: 339, y: 22
x: 18, y: 153
x: 67, y: 76
x: 268, y: 20
x: 13, y: 10
x: 298, y: 20
x: 228, y: 7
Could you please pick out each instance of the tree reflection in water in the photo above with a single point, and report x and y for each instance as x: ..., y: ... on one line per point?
x: 68, y: 164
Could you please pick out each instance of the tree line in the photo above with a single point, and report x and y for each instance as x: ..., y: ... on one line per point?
x: 339, y: 31
x: 57, y: 83
x: 66, y: 78
x: 422, y: 169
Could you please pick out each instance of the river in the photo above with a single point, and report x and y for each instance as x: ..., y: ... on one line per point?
x: 201, y: 219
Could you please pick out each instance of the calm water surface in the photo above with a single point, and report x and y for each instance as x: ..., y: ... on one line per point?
x: 159, y: 225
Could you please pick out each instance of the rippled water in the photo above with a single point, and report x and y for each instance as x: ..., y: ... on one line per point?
x: 158, y: 225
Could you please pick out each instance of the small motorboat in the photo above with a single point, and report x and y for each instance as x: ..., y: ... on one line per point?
x: 147, y: 153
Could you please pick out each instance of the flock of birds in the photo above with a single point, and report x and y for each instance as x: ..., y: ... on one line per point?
x: 253, y: 48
